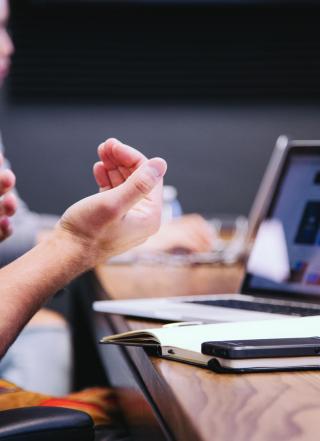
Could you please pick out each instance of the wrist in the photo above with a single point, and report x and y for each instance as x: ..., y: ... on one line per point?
x: 74, y: 249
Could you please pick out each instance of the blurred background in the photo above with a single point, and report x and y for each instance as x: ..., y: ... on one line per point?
x: 208, y: 85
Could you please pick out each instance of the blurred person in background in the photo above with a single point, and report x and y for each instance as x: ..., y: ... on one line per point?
x: 190, y: 233
x: 122, y: 215
x: 47, y: 326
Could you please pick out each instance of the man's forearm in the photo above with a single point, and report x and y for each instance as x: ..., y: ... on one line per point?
x: 123, y: 215
x: 29, y: 281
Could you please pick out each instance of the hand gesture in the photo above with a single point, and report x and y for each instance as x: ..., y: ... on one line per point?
x: 128, y: 208
x: 189, y: 233
x: 8, y: 203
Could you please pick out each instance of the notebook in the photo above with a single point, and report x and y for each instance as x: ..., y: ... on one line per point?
x: 183, y: 343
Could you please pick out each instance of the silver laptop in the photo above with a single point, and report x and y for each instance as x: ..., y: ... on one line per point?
x: 283, y: 270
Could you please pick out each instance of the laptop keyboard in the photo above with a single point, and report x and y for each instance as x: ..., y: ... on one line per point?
x: 261, y: 307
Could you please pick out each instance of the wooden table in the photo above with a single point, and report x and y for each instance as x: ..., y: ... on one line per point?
x: 191, y: 403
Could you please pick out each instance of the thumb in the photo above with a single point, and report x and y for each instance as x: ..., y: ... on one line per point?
x: 139, y: 184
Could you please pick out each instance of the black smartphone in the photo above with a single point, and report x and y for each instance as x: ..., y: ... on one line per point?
x: 266, y: 348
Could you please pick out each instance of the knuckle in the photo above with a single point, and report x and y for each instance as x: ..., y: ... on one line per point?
x: 112, y: 211
x: 107, y: 209
x: 100, y: 149
x: 143, y: 185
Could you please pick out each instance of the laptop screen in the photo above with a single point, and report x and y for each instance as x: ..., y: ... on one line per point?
x: 286, y: 255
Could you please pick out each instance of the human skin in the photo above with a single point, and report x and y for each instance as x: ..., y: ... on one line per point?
x: 188, y: 232
x: 6, y: 45
x: 125, y: 212
x: 8, y: 202
x: 89, y: 232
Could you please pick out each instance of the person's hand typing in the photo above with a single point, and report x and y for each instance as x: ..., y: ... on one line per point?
x: 8, y: 203
x: 189, y: 233
x: 128, y: 208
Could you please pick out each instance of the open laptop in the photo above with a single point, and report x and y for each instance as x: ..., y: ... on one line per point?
x: 283, y: 271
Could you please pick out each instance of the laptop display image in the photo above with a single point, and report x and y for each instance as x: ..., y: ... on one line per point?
x: 297, y: 206
x: 283, y: 270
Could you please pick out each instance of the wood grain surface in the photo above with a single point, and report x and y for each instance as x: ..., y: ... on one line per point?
x: 198, y: 404
x: 124, y: 282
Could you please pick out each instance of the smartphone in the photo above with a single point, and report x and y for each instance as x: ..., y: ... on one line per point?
x: 266, y: 348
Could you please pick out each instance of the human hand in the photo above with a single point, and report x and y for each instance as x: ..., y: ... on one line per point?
x: 128, y: 208
x: 189, y: 233
x: 8, y: 202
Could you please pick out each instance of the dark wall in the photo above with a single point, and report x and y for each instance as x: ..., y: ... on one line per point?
x: 216, y: 130
x: 216, y: 154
